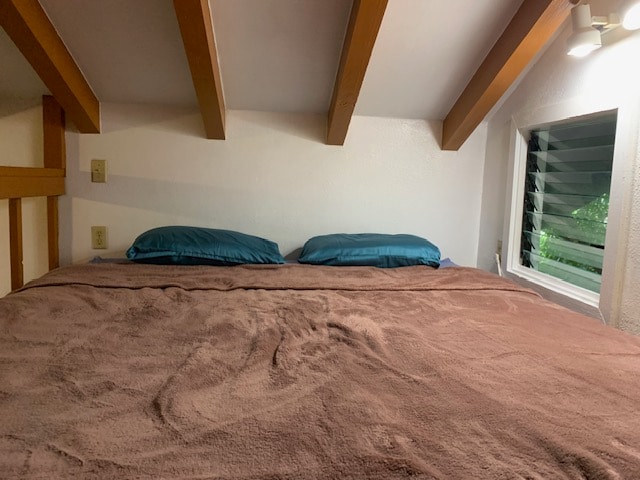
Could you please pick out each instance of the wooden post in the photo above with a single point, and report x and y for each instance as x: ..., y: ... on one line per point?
x: 15, y: 242
x: 53, y: 123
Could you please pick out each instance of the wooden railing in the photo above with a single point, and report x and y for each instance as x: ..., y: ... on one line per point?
x: 17, y: 183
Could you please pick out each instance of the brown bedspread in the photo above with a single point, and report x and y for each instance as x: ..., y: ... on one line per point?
x: 133, y: 371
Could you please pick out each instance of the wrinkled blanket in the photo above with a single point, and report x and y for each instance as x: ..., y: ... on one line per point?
x: 291, y: 371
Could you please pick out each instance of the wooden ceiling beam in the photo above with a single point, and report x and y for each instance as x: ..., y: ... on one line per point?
x: 362, y: 31
x: 531, y: 28
x: 196, y: 27
x: 28, y: 25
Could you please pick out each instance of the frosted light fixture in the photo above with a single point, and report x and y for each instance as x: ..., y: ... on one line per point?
x: 630, y: 12
x: 585, y: 38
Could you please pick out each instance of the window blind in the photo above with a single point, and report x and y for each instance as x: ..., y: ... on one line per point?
x: 566, y: 204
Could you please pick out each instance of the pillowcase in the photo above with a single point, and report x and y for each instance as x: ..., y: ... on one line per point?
x: 370, y: 249
x: 176, y: 245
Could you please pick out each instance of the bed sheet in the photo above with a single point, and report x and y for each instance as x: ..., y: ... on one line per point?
x: 293, y: 371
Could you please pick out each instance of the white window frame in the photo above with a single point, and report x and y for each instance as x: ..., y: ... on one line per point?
x: 605, y: 305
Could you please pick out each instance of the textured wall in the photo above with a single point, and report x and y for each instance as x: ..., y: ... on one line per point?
x: 560, y: 86
x: 630, y: 295
x: 272, y: 177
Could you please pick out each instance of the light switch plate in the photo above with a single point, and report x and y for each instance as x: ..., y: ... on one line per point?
x: 98, y: 171
x: 98, y: 237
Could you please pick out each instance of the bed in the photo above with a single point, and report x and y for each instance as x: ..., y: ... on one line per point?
x: 287, y: 371
x: 116, y: 370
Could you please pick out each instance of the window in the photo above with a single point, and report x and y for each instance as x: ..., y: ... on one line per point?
x: 565, y: 202
x: 564, y: 194
x: 619, y: 113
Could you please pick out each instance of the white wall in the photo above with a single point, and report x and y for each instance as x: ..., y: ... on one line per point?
x: 562, y: 86
x: 273, y: 177
x: 21, y: 146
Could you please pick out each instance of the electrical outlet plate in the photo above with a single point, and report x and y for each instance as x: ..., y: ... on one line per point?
x: 98, y: 237
x: 98, y: 171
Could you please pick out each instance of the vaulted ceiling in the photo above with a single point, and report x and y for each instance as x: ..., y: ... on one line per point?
x: 447, y: 60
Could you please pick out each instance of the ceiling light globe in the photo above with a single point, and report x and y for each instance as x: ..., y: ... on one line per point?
x: 584, y: 39
x: 631, y: 18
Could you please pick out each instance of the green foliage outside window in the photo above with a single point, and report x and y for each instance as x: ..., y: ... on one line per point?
x: 591, y: 219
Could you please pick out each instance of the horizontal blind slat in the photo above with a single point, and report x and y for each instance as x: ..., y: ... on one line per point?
x: 587, y: 256
x: 583, y: 231
x: 590, y: 281
x: 560, y: 209
x: 590, y: 153
x: 593, y: 166
x: 579, y: 218
x: 572, y: 189
x: 575, y: 201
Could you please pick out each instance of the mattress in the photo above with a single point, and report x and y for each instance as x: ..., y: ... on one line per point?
x: 293, y: 371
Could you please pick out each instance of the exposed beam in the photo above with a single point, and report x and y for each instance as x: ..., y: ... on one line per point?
x: 196, y: 26
x: 30, y: 29
x: 364, y: 24
x: 53, y: 128
x: 20, y: 182
x: 531, y: 28
x: 30, y: 172
x: 53, y: 125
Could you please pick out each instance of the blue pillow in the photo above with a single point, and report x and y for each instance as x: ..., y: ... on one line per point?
x: 370, y: 249
x: 177, y: 245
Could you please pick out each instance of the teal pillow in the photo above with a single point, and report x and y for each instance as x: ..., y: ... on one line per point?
x: 176, y: 245
x: 370, y: 249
